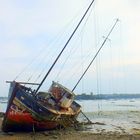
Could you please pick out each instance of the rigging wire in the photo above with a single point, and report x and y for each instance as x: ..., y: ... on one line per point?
x: 98, y: 66
x: 43, y: 49
x: 95, y: 55
x: 49, y: 54
x: 33, y: 60
x: 78, y: 67
x: 37, y: 56
x: 93, y: 61
x: 64, y: 47
x: 82, y: 62
x: 97, y: 61
x: 111, y: 68
x: 73, y: 49
x: 91, y: 53
x: 62, y: 37
x: 123, y: 60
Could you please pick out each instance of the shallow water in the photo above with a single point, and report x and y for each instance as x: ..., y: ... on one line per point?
x: 122, y: 116
x: 100, y: 105
x: 113, y: 121
x: 110, y: 105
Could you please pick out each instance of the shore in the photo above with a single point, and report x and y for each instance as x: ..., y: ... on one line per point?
x: 105, y: 127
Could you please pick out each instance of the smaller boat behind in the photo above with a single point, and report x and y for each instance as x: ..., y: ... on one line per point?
x: 27, y: 111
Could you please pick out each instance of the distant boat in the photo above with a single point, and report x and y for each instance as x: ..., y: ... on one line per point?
x: 131, y: 100
x: 3, y: 102
x: 29, y: 109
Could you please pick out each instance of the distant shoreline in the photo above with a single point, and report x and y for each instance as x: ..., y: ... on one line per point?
x: 106, y: 96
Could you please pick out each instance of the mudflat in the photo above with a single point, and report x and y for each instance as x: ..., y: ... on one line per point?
x: 68, y: 135
x: 108, y: 126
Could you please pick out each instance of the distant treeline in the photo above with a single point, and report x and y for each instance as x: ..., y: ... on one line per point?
x: 99, y: 96
x: 106, y: 96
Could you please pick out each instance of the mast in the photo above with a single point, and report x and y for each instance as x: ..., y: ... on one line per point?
x: 96, y: 54
x: 64, y: 47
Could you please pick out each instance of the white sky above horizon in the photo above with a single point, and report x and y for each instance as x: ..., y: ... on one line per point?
x: 26, y: 27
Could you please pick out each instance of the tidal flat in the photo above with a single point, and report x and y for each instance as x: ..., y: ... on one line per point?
x: 107, y: 125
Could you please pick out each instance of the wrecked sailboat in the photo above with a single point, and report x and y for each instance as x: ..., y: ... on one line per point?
x: 29, y: 109
x: 46, y: 110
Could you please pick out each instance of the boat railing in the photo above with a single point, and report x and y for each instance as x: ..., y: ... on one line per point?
x: 24, y: 83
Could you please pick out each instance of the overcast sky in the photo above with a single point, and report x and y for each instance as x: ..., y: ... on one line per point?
x: 37, y: 30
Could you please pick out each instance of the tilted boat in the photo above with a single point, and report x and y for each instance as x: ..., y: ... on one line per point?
x: 45, y: 110
x: 29, y: 109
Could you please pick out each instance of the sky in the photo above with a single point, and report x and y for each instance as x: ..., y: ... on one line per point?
x: 32, y: 33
